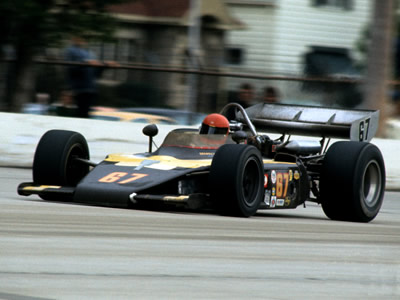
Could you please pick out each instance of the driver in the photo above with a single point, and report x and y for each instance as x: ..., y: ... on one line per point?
x: 215, y: 124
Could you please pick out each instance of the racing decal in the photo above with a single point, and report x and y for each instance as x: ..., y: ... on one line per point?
x: 158, y: 162
x: 282, y: 182
x: 265, y: 180
x: 363, y: 130
x: 296, y: 175
x: 146, y: 163
x: 273, y: 191
x: 280, y: 202
x: 273, y: 201
x: 267, y: 197
x: 207, y: 153
x: 287, y: 202
x: 273, y: 177
x: 290, y: 175
x: 118, y: 177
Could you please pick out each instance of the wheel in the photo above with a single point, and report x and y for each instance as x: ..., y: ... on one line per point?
x: 352, y: 183
x: 237, y: 180
x: 54, y: 161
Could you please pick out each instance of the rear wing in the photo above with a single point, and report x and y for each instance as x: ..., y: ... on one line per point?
x: 356, y: 125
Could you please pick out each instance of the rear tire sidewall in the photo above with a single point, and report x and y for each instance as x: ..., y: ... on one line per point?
x: 370, y: 161
x: 236, y: 180
x: 348, y: 174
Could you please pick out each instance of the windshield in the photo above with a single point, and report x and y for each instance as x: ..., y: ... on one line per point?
x: 192, y: 139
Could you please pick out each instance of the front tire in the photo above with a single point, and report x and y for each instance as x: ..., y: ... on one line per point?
x: 54, y: 161
x: 352, y: 183
x: 236, y: 180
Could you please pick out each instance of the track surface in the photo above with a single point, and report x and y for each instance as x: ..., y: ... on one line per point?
x: 69, y: 251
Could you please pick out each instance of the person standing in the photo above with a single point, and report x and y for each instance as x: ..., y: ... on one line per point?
x: 245, y: 96
x: 271, y: 95
x: 82, y: 79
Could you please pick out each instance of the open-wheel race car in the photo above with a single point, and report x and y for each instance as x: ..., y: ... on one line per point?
x: 232, y: 166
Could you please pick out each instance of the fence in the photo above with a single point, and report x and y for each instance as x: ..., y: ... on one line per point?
x: 128, y: 85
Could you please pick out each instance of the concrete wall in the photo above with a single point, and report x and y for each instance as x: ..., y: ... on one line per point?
x: 20, y: 133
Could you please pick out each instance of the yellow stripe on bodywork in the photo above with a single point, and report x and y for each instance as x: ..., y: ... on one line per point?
x: 269, y: 161
x: 41, y: 187
x: 165, y: 162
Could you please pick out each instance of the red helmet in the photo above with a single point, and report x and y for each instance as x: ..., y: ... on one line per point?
x: 215, y: 124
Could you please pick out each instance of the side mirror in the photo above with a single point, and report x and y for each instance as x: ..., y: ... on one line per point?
x: 239, y: 136
x: 151, y: 131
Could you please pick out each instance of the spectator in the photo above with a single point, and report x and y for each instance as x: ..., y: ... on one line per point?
x: 40, y: 107
x: 245, y: 95
x: 82, y: 79
x: 65, y: 106
x: 271, y: 95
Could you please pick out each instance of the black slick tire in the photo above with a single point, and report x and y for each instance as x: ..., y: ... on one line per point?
x: 236, y: 180
x: 54, y: 160
x: 352, y: 183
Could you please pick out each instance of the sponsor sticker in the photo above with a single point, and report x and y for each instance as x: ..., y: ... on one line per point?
x: 273, y: 176
x: 267, y: 197
x: 280, y: 202
x: 296, y: 175
x: 273, y: 201
x: 207, y: 153
x: 265, y: 180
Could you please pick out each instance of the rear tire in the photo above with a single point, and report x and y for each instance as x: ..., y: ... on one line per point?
x: 352, y: 183
x: 236, y: 180
x: 54, y: 161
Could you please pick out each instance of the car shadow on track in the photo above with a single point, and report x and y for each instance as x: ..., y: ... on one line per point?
x: 288, y: 215
x: 282, y: 214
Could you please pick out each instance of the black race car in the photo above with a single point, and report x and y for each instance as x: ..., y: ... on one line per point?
x: 235, y: 172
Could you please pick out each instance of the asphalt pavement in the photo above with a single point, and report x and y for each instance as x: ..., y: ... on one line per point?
x: 20, y: 134
x: 54, y: 250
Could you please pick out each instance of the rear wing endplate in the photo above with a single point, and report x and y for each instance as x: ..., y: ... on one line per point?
x: 356, y: 125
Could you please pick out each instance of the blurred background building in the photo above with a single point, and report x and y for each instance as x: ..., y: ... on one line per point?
x: 310, y: 38
x: 283, y: 44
